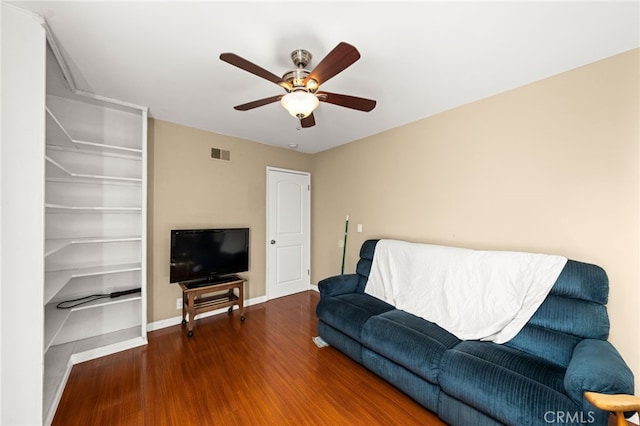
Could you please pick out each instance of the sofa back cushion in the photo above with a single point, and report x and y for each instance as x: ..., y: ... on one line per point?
x: 364, y: 264
x: 574, y: 310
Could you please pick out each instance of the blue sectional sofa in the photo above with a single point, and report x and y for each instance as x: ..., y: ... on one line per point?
x: 537, y: 378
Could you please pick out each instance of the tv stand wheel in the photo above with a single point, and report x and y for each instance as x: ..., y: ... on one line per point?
x: 190, y: 333
x: 230, y: 309
x: 242, y: 318
x: 184, y: 322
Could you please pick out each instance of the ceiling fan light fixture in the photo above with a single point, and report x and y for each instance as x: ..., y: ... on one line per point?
x: 300, y: 103
x: 312, y: 85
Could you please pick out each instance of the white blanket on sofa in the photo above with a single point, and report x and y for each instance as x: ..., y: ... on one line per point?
x: 475, y: 295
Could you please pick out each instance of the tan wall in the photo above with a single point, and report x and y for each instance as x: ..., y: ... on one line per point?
x: 550, y: 167
x: 190, y: 190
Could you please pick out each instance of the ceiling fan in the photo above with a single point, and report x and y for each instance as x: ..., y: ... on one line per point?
x: 301, y: 86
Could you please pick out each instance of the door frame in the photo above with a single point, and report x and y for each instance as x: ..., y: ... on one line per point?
x: 307, y: 240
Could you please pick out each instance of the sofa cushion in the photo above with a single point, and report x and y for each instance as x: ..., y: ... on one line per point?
x: 573, y: 316
x: 553, y: 346
x: 408, y: 340
x: 579, y: 280
x: 340, y: 341
x: 573, y: 310
x: 424, y: 392
x: 508, y: 385
x: 557, y: 327
x: 454, y: 412
x: 348, y: 312
x: 363, y: 268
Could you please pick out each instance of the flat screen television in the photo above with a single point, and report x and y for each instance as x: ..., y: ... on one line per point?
x: 203, y: 256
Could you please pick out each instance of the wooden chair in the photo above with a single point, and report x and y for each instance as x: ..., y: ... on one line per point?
x: 618, y: 404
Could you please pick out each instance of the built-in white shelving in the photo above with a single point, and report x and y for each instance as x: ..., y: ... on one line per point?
x: 95, y: 230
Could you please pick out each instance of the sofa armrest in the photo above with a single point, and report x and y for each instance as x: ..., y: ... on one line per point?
x: 596, y: 366
x: 339, y: 284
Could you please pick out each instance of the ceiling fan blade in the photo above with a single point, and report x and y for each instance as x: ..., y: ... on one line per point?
x: 340, y: 58
x: 257, y: 103
x: 308, y: 121
x: 248, y: 66
x: 353, y: 102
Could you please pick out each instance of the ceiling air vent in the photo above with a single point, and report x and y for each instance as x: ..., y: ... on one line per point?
x: 220, y: 154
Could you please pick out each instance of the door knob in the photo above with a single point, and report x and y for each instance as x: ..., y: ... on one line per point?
x: 273, y: 241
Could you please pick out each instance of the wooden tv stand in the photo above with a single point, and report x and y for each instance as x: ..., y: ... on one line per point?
x: 202, y: 299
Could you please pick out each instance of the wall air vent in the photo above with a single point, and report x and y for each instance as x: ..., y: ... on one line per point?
x: 220, y: 154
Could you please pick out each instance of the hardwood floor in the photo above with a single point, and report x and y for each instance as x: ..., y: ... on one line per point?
x: 266, y: 371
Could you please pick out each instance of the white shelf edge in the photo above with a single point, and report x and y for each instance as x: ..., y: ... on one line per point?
x: 84, y: 181
x: 54, y: 281
x: 60, y: 126
x: 133, y: 156
x: 54, y: 319
x: 106, y: 146
x: 54, y: 207
x: 88, y: 176
x: 54, y: 245
x: 56, y: 164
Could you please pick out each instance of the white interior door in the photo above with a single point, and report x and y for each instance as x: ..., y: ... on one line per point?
x: 288, y: 232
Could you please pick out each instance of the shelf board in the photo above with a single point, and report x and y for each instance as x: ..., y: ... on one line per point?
x: 54, y: 245
x: 99, y: 303
x: 87, y: 349
x: 54, y: 281
x: 55, y: 318
x: 63, y: 138
x: 51, y: 207
x: 69, y: 173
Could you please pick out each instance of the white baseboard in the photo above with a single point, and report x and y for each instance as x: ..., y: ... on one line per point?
x: 113, y: 348
x: 169, y: 322
x: 157, y: 325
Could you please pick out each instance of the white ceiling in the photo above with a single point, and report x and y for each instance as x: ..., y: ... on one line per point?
x: 418, y: 58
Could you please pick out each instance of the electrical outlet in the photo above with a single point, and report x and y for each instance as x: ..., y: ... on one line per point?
x: 179, y: 303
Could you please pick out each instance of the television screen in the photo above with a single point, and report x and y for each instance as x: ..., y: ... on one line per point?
x: 207, y: 255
